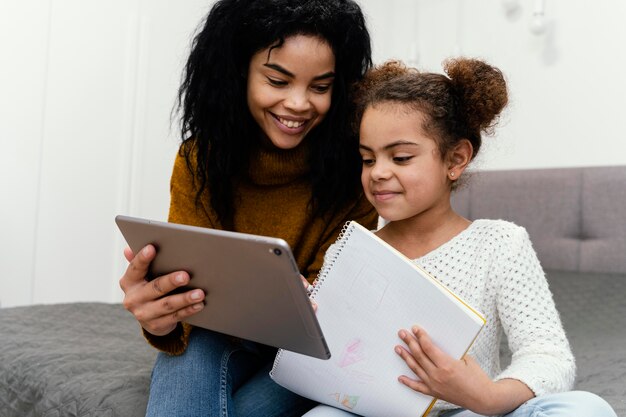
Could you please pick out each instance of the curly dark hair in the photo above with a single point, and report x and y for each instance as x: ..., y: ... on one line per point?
x: 212, y: 96
x: 460, y: 106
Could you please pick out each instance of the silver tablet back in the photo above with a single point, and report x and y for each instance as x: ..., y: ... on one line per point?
x: 252, y: 282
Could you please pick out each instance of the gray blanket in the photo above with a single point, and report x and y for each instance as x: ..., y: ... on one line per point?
x: 90, y: 360
x: 67, y: 360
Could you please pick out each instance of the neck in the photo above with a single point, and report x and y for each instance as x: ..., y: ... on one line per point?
x: 421, y: 234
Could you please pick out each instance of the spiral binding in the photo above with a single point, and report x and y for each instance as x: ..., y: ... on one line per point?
x: 328, y: 264
x: 346, y: 230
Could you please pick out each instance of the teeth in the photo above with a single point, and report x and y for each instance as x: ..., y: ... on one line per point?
x: 290, y: 123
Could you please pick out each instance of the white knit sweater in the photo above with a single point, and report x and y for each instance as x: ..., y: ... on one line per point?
x: 493, y: 267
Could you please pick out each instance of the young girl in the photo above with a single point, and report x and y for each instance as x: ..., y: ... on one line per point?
x: 418, y: 133
x: 267, y: 149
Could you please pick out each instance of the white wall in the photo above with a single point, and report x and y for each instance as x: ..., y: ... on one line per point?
x: 86, y: 90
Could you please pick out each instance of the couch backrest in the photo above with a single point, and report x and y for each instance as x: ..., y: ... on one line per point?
x: 576, y: 217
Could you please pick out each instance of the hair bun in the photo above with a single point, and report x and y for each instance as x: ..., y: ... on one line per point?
x: 481, y: 89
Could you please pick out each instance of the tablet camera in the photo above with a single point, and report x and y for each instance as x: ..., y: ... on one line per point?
x: 277, y: 252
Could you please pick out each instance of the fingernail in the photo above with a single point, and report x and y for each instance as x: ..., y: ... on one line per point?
x: 398, y: 350
x: 402, y: 334
x: 196, y: 295
x: 198, y: 306
x: 415, y: 329
x: 146, y: 251
x: 180, y: 278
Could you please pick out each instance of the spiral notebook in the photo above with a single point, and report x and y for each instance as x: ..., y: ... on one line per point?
x: 366, y: 292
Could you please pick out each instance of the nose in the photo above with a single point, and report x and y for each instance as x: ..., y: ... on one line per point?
x: 380, y: 171
x: 297, y: 100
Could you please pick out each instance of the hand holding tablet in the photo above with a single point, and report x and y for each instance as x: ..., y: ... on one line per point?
x: 252, y: 283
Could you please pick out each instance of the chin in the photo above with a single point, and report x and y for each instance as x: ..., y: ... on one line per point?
x: 390, y: 216
x: 287, y: 142
x: 285, y: 145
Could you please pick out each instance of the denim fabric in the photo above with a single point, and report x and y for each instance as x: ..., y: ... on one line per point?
x: 566, y: 404
x: 220, y: 376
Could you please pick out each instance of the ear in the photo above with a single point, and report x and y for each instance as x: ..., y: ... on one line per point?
x: 459, y: 158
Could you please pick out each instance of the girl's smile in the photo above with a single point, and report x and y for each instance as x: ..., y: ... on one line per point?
x: 384, y: 195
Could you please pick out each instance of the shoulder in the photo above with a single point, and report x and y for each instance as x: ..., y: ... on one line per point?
x: 499, y: 230
x: 510, y: 248
x: 501, y: 238
x: 185, y: 161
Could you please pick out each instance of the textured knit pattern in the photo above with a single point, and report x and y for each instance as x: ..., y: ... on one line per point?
x: 272, y: 201
x: 493, y: 267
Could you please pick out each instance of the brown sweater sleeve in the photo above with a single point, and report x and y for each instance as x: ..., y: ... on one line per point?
x: 183, y: 190
x: 173, y: 343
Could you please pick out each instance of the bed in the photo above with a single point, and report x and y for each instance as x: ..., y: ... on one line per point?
x: 90, y: 360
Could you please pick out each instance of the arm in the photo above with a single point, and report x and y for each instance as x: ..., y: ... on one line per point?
x: 160, y: 314
x: 461, y: 382
x: 542, y: 361
x: 541, y: 355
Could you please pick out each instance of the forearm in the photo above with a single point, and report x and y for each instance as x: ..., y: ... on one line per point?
x: 505, y: 396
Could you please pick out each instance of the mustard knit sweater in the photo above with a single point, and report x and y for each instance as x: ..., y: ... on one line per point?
x: 273, y: 201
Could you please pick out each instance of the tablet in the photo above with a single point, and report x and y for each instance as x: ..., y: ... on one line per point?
x: 252, y: 283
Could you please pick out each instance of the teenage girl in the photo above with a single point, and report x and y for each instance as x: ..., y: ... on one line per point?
x: 267, y: 149
x: 418, y: 133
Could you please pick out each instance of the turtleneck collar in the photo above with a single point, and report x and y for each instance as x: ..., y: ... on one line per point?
x: 270, y: 165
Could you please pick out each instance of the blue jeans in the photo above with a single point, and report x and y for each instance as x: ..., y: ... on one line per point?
x: 220, y: 376
x: 565, y: 404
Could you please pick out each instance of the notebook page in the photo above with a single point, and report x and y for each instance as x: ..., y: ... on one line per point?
x: 368, y: 293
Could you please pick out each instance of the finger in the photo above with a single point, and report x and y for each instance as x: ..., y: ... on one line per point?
x: 314, y: 305
x: 166, y: 324
x: 436, y: 355
x: 305, y: 283
x: 139, y: 297
x: 415, y: 385
x: 156, y: 316
x: 138, y: 267
x: 308, y: 287
x: 416, y: 350
x: 412, y: 363
x: 128, y: 254
x: 164, y: 284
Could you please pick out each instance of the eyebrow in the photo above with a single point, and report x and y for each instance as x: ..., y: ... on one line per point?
x: 276, y: 67
x: 391, y: 145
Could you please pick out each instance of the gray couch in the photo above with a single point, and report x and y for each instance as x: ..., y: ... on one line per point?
x: 576, y: 219
x: 89, y: 359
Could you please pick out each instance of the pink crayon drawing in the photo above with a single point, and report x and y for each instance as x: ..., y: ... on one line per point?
x: 352, y: 353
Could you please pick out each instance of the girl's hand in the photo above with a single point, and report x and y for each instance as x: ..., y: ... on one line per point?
x: 157, y: 312
x: 461, y: 382
x: 308, y: 287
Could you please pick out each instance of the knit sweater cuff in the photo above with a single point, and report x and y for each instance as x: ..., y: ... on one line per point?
x: 542, y: 376
x: 173, y: 343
